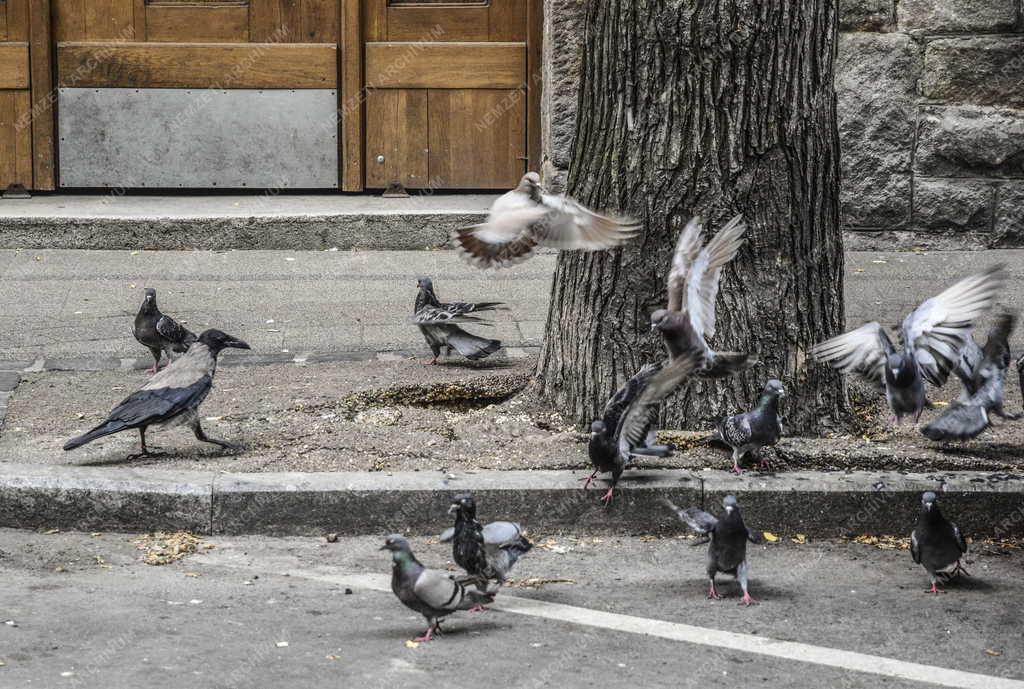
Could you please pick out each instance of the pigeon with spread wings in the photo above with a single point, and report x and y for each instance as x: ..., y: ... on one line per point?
x: 688, y: 320
x: 527, y: 217
x: 933, y: 336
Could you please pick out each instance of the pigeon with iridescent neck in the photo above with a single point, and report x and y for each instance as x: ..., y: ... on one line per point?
x: 937, y: 544
x: 758, y: 428
x: 159, y: 332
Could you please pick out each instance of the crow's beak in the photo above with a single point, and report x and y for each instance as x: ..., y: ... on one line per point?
x: 453, y: 508
x: 237, y: 344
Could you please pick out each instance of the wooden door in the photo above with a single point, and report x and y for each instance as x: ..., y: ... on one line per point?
x: 447, y: 93
x: 269, y: 67
x: 26, y: 113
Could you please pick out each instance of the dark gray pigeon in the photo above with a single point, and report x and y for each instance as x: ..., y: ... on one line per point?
x: 933, y: 337
x: 431, y: 593
x: 457, y: 308
x: 439, y: 328
x: 159, y: 332
x: 170, y: 397
x: 527, y: 217
x: 936, y: 543
x: 487, y: 553
x: 727, y: 551
x: 688, y: 321
x: 629, y: 424
x: 984, y: 381
x: 760, y: 427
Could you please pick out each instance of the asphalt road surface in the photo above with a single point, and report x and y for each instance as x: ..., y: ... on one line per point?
x: 81, y: 610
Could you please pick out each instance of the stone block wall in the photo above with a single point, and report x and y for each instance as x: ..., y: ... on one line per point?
x: 931, y: 117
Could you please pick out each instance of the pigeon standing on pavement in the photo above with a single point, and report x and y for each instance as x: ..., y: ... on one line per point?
x: 429, y: 592
x: 527, y: 217
x: 688, y: 320
x: 936, y: 543
x: 159, y: 332
x: 172, y: 396
x: 438, y: 325
x: 628, y: 425
x: 487, y: 553
x: 933, y: 336
x: 727, y: 551
x: 984, y: 379
x: 456, y: 308
x: 760, y: 427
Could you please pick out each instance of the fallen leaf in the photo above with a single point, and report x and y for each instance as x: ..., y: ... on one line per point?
x: 770, y: 537
x: 799, y: 539
x: 192, y: 574
x: 412, y: 644
x: 282, y: 644
x: 989, y: 651
x: 51, y: 532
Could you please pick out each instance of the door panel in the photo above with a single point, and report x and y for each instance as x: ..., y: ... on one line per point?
x: 459, y: 119
x: 15, y: 139
x: 191, y: 23
x: 14, y: 66
x: 16, y: 160
x: 437, y: 23
x: 445, y: 65
x: 401, y: 159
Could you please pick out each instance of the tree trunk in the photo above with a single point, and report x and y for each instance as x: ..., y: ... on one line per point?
x: 713, y: 107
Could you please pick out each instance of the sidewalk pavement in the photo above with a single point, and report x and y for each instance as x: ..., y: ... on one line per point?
x: 79, y: 304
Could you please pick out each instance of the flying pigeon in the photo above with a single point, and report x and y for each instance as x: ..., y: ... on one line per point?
x: 429, y: 592
x: 456, y: 308
x: 727, y: 551
x: 933, y: 336
x: 487, y: 553
x: 159, y: 332
x: 936, y: 543
x: 439, y: 330
x: 757, y: 428
x: 170, y: 397
x: 528, y: 217
x: 688, y: 320
x: 983, y: 374
x: 628, y: 425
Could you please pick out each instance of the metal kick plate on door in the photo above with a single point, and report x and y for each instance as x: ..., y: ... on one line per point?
x: 198, y: 138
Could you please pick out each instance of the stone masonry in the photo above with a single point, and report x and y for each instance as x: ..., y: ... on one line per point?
x: 931, y: 118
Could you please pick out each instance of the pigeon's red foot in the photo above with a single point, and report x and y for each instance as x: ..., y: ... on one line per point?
x: 589, y: 480
x: 432, y: 362
x: 478, y: 608
x: 153, y: 369
x: 427, y: 636
x: 934, y: 589
x: 747, y: 600
x: 736, y: 468
x: 607, y: 499
x: 713, y: 594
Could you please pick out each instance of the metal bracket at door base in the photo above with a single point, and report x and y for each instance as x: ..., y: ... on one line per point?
x: 16, y: 191
x: 395, y: 190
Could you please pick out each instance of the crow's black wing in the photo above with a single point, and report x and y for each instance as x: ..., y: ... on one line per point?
x: 145, y: 407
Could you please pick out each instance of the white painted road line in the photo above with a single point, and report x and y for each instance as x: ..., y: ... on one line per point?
x: 675, y: 631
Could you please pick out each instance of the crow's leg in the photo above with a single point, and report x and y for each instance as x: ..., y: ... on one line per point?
x: 197, y: 428
x: 741, y: 574
x: 143, y: 448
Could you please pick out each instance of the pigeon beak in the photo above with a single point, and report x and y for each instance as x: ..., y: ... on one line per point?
x: 928, y: 505
x: 237, y: 344
x: 729, y: 509
x: 453, y: 508
x: 654, y: 327
x: 383, y: 547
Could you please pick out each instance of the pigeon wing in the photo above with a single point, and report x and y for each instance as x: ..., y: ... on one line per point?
x: 960, y: 421
x: 570, y: 225
x: 497, y: 534
x: 697, y: 519
x: 702, y: 282
x: 915, y: 547
x: 862, y: 351
x: 642, y: 413
x: 439, y: 591
x: 172, y: 331
x: 625, y: 395
x: 688, y: 248
x: 432, y: 315
x: 937, y: 329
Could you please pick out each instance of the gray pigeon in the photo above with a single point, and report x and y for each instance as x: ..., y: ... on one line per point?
x: 727, y: 551
x: 439, y: 328
x: 159, y: 332
x: 936, y: 543
x: 757, y: 428
x: 628, y: 426
x: 933, y: 336
x: 688, y: 321
x: 170, y: 397
x: 527, y: 217
x: 429, y: 592
x: 457, y: 308
x: 487, y: 553
x: 984, y: 379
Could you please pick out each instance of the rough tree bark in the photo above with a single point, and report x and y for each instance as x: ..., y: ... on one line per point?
x: 712, y: 107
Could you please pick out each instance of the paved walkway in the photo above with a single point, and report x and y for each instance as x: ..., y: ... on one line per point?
x: 60, y: 304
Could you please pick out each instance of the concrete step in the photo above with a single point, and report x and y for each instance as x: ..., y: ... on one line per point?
x: 263, y: 221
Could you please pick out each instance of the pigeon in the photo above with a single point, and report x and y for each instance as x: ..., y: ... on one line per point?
x: 628, y: 425
x: 688, y: 320
x: 983, y: 374
x: 727, y: 551
x: 438, y: 325
x: 933, y: 337
x: 431, y: 593
x: 159, y: 332
x: 170, y: 397
x: 527, y: 217
x: 487, y: 553
x: 936, y: 543
x: 757, y: 428
x: 457, y: 308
